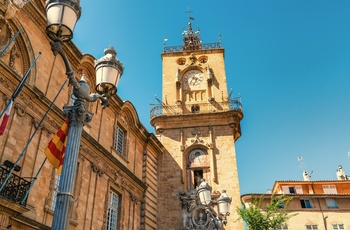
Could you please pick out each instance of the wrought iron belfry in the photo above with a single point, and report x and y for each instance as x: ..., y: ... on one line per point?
x: 191, y: 39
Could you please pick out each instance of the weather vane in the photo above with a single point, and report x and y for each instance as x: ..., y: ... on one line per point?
x: 189, y: 14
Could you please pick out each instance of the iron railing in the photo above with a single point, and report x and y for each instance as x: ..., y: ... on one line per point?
x: 208, y: 46
x: 159, y: 110
x: 15, y: 188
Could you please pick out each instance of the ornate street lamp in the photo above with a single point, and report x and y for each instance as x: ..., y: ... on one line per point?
x: 204, y: 195
x: 61, y: 18
x: 224, y: 203
x: 108, y: 72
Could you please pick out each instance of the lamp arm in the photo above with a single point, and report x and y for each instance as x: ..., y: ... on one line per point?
x: 216, y: 220
x: 56, y: 48
x: 94, y: 96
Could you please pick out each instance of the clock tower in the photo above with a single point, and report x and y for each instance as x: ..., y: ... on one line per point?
x: 198, y: 123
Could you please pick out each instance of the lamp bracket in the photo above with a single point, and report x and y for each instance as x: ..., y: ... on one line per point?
x: 56, y: 48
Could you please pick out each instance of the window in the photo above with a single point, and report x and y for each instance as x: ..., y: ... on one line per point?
x: 195, y: 109
x: 280, y: 205
x: 198, y: 175
x: 311, y: 227
x: 54, y: 198
x: 119, y: 140
x: 337, y: 226
x: 113, y: 210
x: 329, y: 189
x: 331, y: 203
x: 306, y: 204
x: 282, y: 227
x: 292, y: 189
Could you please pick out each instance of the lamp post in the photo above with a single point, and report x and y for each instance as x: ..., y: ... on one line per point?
x: 62, y: 16
x: 223, y: 202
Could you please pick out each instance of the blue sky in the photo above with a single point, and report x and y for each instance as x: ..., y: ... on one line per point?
x: 289, y: 59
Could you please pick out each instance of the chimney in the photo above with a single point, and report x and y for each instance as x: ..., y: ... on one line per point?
x: 341, y: 174
x: 306, y: 176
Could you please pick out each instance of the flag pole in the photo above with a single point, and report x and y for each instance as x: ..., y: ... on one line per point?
x: 7, y: 46
x: 20, y: 86
x: 31, y: 138
x: 33, y: 181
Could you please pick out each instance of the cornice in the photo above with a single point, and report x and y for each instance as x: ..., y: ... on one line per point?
x: 23, y: 222
x: 37, y: 16
x: 11, y: 208
x: 219, y: 118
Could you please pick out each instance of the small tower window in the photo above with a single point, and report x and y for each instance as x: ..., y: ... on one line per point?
x: 195, y: 109
x: 198, y: 175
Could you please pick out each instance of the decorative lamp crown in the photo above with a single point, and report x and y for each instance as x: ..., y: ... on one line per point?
x: 108, y: 72
x: 204, y: 192
x: 62, y: 16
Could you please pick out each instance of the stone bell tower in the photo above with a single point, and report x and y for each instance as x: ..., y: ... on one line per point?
x: 198, y: 122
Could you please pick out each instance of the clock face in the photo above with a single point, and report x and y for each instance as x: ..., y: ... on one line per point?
x: 193, y: 77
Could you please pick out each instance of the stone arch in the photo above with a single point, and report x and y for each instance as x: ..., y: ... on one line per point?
x: 130, y: 114
x: 196, y: 162
x: 20, y: 54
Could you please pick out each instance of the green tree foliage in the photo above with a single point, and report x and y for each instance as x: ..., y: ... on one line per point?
x: 269, y: 217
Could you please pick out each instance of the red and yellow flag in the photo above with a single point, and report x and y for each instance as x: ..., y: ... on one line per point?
x: 57, y: 147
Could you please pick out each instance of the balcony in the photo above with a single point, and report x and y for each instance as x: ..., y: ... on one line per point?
x: 207, y: 46
x: 160, y: 110
x: 15, y: 188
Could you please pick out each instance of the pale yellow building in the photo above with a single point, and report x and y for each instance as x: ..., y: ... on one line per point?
x: 317, y: 204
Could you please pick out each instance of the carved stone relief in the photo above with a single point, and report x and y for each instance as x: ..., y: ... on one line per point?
x: 6, y: 34
x: 194, y: 215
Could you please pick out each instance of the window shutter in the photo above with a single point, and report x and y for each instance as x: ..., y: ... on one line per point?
x: 298, y: 189
x: 285, y: 189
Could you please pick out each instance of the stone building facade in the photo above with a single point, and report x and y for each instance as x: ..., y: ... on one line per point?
x: 126, y: 175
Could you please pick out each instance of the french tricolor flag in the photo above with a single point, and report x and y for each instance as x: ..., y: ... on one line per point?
x: 6, y: 118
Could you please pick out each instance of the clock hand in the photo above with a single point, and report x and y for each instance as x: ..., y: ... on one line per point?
x: 194, y: 79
